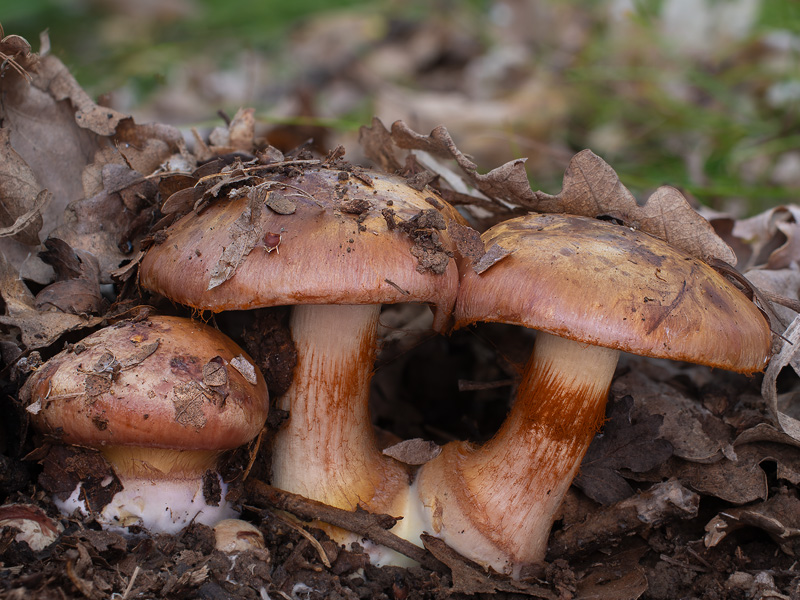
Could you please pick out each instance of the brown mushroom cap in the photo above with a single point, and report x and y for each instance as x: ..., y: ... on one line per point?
x: 337, y: 247
x: 603, y: 284
x: 164, y: 382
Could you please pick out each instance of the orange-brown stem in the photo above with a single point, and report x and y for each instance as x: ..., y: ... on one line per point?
x: 327, y: 451
x: 496, y: 503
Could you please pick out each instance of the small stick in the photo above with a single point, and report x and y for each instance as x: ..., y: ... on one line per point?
x: 368, y: 525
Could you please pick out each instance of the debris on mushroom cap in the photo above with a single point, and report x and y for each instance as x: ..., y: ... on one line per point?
x: 35, y: 528
x: 599, y: 283
x: 165, y: 382
x: 338, y: 237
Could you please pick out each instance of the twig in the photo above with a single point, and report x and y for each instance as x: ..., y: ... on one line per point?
x: 368, y: 525
x: 314, y: 542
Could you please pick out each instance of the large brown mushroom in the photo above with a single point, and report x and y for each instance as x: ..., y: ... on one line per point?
x: 591, y: 289
x: 161, y: 399
x: 336, y: 245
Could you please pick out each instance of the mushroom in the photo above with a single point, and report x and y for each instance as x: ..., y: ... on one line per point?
x: 161, y: 400
x: 591, y: 289
x: 348, y: 243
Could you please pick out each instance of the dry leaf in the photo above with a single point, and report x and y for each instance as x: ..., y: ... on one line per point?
x: 245, y: 368
x: 626, y: 442
x: 591, y: 188
x: 469, y: 578
x: 694, y: 433
x: 214, y: 372
x: 789, y: 354
x: 245, y: 235
x: 188, y: 402
x: 37, y: 329
x: 779, y: 517
x: 21, y: 199
x: 77, y: 289
x: 415, y: 451
x: 493, y: 255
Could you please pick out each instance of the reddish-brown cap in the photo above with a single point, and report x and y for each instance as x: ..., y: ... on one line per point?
x: 164, y: 382
x: 607, y: 285
x: 351, y: 239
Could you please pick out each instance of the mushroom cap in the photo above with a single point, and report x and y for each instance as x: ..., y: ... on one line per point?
x: 607, y: 285
x: 337, y: 247
x: 165, y: 382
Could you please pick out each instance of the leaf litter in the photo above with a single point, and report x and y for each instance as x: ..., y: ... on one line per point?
x: 743, y: 455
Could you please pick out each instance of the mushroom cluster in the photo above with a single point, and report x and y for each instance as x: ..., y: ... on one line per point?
x: 349, y: 242
x: 161, y: 399
x: 342, y: 243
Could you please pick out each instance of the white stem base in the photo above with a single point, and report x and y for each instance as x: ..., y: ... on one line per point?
x: 160, y: 506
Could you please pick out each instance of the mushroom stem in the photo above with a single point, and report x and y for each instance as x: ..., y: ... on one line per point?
x: 327, y: 450
x: 496, y: 503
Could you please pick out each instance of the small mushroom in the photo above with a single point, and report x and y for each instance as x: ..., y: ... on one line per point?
x: 160, y: 400
x: 591, y: 289
x: 234, y: 535
x: 340, y: 259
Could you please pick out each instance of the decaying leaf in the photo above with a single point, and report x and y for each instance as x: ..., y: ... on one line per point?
x: 738, y: 481
x: 789, y: 354
x: 607, y: 526
x: 245, y: 368
x: 188, y: 402
x: 244, y: 235
x: 21, y: 196
x: 493, y: 255
x: 415, y: 451
x: 469, y: 578
x: 626, y: 442
x: 37, y: 329
x: 779, y: 517
x: 591, y: 188
x: 77, y: 289
x: 693, y: 432
x: 214, y: 372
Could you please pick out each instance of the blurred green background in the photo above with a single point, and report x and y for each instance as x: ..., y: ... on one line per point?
x: 700, y: 94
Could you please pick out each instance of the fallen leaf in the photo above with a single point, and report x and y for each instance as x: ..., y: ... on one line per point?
x: 21, y: 196
x: 789, y: 354
x: 626, y: 442
x: 737, y: 481
x: 215, y: 373
x: 37, y: 329
x: 779, y: 517
x: 245, y: 368
x: 244, y: 235
x: 591, y: 188
x: 188, y: 402
x: 469, y: 578
x: 77, y: 289
x: 415, y: 451
x: 693, y: 432
x: 491, y: 257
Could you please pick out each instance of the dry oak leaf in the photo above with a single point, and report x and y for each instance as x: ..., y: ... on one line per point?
x: 591, y: 188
